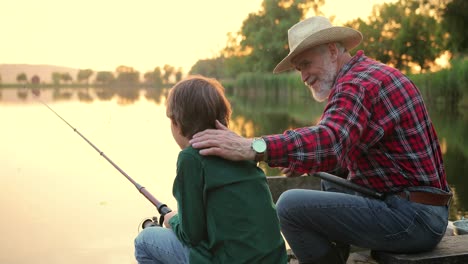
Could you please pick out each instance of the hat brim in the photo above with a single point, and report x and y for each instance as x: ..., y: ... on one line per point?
x: 348, y: 37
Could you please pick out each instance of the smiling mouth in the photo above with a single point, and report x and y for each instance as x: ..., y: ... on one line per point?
x: 311, y: 81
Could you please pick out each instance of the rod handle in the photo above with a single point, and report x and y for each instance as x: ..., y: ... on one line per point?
x: 163, y: 210
x: 349, y: 185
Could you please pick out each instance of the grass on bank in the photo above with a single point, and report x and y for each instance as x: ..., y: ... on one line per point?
x: 447, y: 85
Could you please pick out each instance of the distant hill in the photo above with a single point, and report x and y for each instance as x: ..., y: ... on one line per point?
x: 8, y: 72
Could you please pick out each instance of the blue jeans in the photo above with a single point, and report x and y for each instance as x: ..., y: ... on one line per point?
x: 311, y: 220
x: 160, y: 245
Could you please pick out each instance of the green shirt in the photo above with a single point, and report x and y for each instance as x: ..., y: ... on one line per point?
x: 225, y: 211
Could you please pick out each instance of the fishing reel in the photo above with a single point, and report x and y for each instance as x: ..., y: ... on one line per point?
x: 148, y: 222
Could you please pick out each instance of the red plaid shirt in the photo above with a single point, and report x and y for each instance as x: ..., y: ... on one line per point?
x: 375, y: 124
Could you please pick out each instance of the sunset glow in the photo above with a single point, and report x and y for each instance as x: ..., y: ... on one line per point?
x: 142, y: 34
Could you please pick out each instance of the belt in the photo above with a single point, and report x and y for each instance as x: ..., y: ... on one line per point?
x: 437, y: 199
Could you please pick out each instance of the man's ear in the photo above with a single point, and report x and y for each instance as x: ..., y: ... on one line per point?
x: 333, y: 51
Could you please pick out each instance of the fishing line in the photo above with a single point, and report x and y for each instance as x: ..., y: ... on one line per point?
x: 162, y: 208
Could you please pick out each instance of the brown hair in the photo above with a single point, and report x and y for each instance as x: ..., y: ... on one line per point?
x: 195, y: 103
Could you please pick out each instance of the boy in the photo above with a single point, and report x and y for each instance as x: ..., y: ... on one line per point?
x: 225, y: 210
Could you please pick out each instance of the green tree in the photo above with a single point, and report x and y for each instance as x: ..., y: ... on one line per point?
x: 104, y: 77
x: 421, y: 48
x: 22, y: 78
x: 154, y: 77
x: 66, y: 77
x: 56, y: 77
x: 264, y: 34
x: 234, y: 65
x: 455, y: 17
x: 403, y: 33
x: 209, y: 67
x: 158, y: 81
x: 178, y: 75
x: 168, y: 73
x: 84, y: 75
x: 261, y: 42
x: 127, y: 75
x: 149, y: 78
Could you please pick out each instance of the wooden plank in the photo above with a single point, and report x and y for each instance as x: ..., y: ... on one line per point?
x: 451, y: 250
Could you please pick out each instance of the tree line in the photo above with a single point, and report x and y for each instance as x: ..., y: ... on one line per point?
x: 123, y: 75
x: 407, y: 34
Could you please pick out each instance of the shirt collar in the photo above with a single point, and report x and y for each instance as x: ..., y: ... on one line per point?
x: 355, y: 59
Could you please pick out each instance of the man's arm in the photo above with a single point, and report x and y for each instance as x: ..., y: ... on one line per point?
x: 225, y: 143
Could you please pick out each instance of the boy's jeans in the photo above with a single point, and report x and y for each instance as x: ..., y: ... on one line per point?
x: 156, y: 245
x: 311, y: 219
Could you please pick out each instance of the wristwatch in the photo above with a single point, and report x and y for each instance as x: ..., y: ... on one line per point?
x: 259, y: 146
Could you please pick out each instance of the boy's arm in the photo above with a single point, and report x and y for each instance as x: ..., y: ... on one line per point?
x: 189, y: 224
x: 168, y: 217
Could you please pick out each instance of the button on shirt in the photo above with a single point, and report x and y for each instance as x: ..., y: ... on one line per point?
x: 375, y: 124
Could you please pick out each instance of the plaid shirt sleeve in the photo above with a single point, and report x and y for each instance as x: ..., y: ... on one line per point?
x: 375, y: 124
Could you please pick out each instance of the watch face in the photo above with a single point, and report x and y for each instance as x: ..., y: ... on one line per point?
x: 259, y: 145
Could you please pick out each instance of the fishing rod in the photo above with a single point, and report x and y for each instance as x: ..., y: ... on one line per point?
x: 349, y: 185
x: 162, y: 208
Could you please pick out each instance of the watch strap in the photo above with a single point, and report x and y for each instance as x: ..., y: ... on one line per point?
x: 260, y: 156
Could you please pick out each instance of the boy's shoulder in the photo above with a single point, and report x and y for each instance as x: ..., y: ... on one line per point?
x: 190, y: 151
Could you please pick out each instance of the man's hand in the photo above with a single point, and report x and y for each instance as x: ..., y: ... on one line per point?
x: 168, y: 217
x: 224, y: 143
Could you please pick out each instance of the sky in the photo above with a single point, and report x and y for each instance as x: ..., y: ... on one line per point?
x: 142, y: 34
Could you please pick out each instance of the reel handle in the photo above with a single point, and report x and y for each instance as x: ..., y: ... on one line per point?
x: 148, y: 222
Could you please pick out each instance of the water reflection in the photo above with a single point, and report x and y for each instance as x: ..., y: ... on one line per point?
x: 62, y: 203
x: 452, y: 128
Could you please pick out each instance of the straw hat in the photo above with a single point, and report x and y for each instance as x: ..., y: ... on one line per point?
x: 315, y: 31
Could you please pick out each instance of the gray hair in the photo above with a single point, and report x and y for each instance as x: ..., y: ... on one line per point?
x: 340, y: 47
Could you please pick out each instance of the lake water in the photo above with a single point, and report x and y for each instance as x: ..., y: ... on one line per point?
x: 61, y: 202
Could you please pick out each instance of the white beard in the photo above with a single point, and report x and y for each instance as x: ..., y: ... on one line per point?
x: 321, y: 90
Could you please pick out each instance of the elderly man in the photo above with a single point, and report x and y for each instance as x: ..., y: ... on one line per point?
x: 376, y: 126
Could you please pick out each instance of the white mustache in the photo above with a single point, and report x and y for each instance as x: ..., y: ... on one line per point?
x: 311, y: 80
